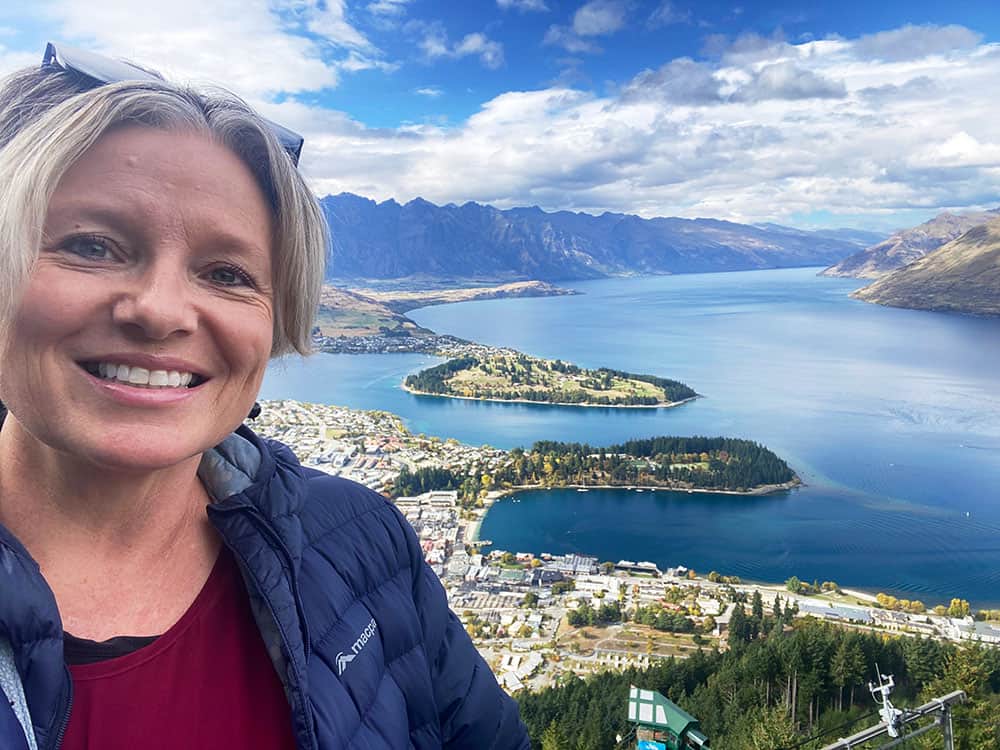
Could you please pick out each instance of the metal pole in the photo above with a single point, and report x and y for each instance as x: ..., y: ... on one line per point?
x: 946, y: 730
x: 940, y: 707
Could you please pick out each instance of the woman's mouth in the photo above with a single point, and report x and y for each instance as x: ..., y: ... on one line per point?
x: 142, y: 377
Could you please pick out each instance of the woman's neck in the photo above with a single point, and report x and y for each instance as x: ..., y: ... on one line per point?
x: 102, y: 535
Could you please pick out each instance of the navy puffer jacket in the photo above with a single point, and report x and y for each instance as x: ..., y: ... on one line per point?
x: 356, y: 623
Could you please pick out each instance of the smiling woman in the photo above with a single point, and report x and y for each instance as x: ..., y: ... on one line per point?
x: 157, y: 247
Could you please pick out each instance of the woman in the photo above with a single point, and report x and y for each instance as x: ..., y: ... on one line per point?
x: 157, y: 246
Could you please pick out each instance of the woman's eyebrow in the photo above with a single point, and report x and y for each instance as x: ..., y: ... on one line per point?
x: 128, y: 220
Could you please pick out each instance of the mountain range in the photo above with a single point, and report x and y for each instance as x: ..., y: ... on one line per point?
x: 390, y: 240
x: 908, y: 245
x: 961, y: 276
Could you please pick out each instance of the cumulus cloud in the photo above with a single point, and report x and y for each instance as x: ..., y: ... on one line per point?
x: 328, y: 19
x: 523, y: 5
x: 681, y: 81
x: 666, y: 14
x: 786, y: 80
x: 747, y: 47
x: 592, y: 19
x: 767, y: 130
x: 565, y: 37
x: 913, y: 42
x: 243, y: 43
x: 600, y: 17
x: 759, y: 129
x: 434, y: 43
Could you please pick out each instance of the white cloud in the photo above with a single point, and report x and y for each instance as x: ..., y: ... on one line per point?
x: 434, y: 44
x: 523, y: 5
x: 388, y: 7
x: 666, y: 14
x: 913, y: 42
x: 786, y: 80
x: 565, y: 37
x: 767, y: 131
x: 241, y: 43
x: 763, y: 129
x: 488, y: 51
x: 600, y: 17
x: 329, y: 20
x: 595, y: 18
x: 11, y: 60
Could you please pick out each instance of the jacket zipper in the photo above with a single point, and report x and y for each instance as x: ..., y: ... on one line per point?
x: 265, y: 530
x: 64, y: 723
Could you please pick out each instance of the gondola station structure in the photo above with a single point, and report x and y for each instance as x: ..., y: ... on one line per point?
x: 660, y: 724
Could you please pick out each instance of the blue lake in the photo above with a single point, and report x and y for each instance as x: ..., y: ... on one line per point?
x: 891, y: 417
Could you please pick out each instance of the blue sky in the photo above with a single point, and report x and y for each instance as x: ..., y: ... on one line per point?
x: 872, y: 115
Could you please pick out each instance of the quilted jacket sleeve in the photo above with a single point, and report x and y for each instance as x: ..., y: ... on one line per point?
x: 473, y: 710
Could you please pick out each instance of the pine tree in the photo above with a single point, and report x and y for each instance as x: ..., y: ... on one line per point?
x: 554, y: 738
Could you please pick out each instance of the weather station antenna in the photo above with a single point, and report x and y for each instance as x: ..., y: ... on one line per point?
x: 894, y: 721
x: 892, y: 717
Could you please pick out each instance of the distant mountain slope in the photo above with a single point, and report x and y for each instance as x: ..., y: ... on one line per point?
x: 388, y: 240
x: 859, y: 237
x: 962, y: 276
x: 908, y: 245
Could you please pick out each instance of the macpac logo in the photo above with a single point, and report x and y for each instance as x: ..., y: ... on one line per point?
x: 343, y: 659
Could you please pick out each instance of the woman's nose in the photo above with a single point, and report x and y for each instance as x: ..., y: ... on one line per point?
x: 158, y: 304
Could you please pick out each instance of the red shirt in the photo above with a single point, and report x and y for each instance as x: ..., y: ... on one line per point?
x: 205, y: 683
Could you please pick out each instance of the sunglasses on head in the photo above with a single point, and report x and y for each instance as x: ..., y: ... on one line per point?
x: 106, y: 70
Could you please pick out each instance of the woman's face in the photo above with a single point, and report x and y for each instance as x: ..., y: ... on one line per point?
x: 145, y: 329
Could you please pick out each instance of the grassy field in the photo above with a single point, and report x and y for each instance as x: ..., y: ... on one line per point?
x: 628, y: 638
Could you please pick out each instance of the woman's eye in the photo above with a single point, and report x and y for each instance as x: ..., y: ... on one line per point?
x: 90, y: 248
x: 229, y: 276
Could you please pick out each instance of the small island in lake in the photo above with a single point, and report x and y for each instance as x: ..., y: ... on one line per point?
x: 507, y: 375
x: 694, y: 464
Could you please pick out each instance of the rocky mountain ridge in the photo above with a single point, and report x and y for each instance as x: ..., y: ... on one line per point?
x: 908, y: 245
x: 389, y: 240
x: 961, y: 276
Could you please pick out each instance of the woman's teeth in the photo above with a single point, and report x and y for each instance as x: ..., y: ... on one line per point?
x: 140, y: 375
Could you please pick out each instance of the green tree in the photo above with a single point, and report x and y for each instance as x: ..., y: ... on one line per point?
x: 793, y: 584
x: 757, y: 606
x: 847, y: 668
x: 554, y: 738
x: 737, y: 636
x: 967, y: 668
x: 771, y: 728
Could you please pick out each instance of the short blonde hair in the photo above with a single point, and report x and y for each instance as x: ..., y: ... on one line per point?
x: 49, y: 117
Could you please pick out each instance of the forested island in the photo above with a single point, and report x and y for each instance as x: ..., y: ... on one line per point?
x: 716, y: 464
x: 506, y: 375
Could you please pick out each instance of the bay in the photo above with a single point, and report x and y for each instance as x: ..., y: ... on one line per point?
x: 891, y: 417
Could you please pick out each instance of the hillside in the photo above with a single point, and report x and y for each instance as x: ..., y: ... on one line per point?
x: 962, y: 276
x: 472, y: 241
x: 343, y: 312
x: 908, y: 245
x: 403, y: 301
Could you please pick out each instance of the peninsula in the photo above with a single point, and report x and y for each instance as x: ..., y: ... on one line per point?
x: 374, y: 321
x: 692, y: 464
x: 507, y: 375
